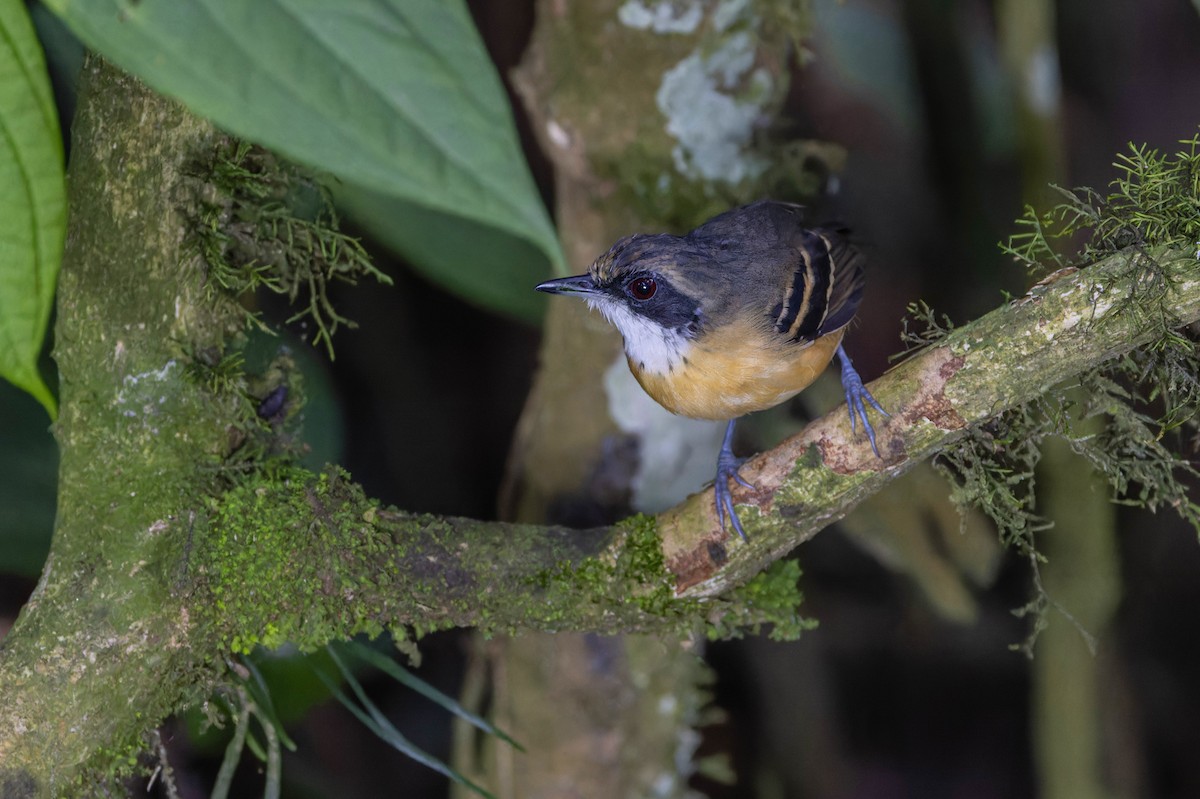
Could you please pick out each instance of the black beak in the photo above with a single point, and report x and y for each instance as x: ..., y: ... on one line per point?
x: 579, y: 284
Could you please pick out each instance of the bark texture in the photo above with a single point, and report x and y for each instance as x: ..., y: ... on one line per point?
x: 132, y: 433
x: 601, y: 716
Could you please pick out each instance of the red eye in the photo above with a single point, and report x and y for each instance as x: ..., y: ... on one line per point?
x: 643, y: 288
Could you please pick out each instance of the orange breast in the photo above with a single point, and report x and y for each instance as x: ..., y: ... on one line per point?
x: 738, y: 370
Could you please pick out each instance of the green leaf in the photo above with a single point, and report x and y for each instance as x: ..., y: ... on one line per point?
x: 369, y: 714
x: 32, y: 202
x: 407, y: 678
x: 397, y: 97
x: 481, y: 264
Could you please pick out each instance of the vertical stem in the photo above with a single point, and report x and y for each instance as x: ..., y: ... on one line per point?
x: 590, y: 709
x: 1027, y: 40
x: 1083, y: 577
x: 1082, y: 574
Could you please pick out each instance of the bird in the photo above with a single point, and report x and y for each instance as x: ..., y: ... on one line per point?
x: 737, y: 316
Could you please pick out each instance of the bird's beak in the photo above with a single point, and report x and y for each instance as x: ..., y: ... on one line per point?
x: 579, y: 284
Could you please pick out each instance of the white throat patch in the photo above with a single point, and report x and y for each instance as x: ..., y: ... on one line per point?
x: 654, y: 348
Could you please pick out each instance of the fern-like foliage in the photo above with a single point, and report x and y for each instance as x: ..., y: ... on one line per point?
x: 265, y: 224
x: 1152, y: 202
x: 1146, y: 398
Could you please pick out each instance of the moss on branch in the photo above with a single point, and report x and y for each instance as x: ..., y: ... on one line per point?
x: 183, y: 530
x: 308, y: 559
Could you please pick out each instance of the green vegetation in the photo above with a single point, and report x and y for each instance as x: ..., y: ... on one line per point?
x: 1145, y: 398
x: 33, y: 203
x: 635, y: 583
x: 265, y: 224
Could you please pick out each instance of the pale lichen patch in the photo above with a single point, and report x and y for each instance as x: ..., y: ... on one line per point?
x: 717, y: 97
x: 662, y: 16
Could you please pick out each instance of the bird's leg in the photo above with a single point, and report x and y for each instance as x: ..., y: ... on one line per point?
x: 727, y: 469
x: 856, y: 393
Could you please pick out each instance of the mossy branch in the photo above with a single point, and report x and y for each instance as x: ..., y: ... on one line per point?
x: 1111, y: 320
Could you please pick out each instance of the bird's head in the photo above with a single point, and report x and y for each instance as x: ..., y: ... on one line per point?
x: 641, y: 287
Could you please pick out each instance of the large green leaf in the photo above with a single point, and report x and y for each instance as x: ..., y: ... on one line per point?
x: 482, y: 264
x: 32, y: 202
x: 398, y: 97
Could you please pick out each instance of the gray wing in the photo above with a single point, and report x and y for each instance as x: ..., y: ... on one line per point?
x: 810, y: 280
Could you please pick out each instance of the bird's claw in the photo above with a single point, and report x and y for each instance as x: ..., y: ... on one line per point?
x: 724, y: 498
x: 857, y: 398
x: 727, y: 469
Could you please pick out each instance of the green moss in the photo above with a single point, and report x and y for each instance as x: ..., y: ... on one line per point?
x: 922, y: 327
x: 308, y: 559
x: 266, y: 224
x: 1154, y: 205
x: 110, y: 767
x: 279, y: 551
x: 788, y: 18
x: 809, y: 483
x: 771, y: 598
x: 641, y: 592
x: 630, y: 577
